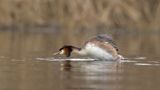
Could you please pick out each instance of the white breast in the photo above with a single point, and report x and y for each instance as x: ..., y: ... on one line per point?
x: 96, y: 52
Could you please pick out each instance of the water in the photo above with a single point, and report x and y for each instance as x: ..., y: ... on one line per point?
x: 27, y: 63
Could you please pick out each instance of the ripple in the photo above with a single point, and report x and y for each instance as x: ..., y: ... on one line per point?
x: 65, y: 59
x: 147, y: 64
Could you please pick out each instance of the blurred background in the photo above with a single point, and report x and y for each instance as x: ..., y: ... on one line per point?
x: 31, y: 29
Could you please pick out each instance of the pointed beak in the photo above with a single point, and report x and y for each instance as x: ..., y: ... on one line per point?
x: 56, y: 53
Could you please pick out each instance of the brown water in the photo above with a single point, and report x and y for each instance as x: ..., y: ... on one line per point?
x: 21, y: 68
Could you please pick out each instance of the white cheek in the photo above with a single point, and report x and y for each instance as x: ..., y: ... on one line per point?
x: 62, y: 52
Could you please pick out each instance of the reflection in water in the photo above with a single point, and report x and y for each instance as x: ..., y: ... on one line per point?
x: 92, y: 76
x: 66, y: 66
x: 21, y: 67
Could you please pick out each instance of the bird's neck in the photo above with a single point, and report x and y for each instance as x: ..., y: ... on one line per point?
x: 79, y: 51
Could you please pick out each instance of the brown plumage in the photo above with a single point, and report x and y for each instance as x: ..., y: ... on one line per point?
x: 68, y: 49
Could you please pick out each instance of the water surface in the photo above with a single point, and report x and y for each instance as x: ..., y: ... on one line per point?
x: 27, y: 63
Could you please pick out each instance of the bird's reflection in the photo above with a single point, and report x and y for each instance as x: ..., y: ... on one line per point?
x: 66, y: 66
x: 85, y: 75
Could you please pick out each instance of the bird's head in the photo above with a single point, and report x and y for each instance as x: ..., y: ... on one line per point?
x: 65, y: 50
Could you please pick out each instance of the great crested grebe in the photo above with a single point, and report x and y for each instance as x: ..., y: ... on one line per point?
x: 100, y: 47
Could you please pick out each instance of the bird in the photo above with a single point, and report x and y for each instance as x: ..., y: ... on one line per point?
x: 100, y: 47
